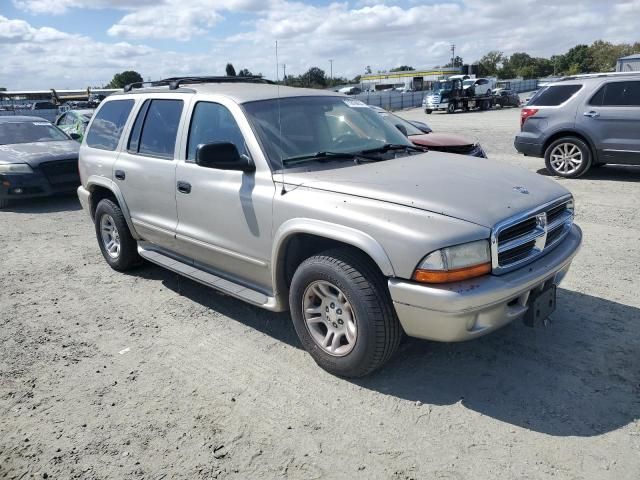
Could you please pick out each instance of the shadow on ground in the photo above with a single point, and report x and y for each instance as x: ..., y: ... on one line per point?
x: 58, y: 203
x: 616, y: 173
x: 579, y: 376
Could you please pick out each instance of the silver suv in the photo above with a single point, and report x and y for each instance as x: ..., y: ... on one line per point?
x: 309, y: 201
x: 583, y: 121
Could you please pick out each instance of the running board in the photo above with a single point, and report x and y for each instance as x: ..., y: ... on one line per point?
x: 208, y: 279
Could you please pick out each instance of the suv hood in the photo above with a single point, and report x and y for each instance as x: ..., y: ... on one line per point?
x: 454, y: 185
x: 39, y: 152
x: 440, y: 140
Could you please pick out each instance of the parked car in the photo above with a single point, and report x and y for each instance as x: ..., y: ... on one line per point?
x: 506, y: 98
x: 74, y: 121
x: 530, y: 96
x: 480, y: 86
x: 441, y: 142
x: 583, y: 121
x: 43, y: 105
x: 36, y: 159
x: 265, y: 193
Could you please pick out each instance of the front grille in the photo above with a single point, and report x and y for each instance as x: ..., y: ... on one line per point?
x: 522, y: 239
x: 61, y: 174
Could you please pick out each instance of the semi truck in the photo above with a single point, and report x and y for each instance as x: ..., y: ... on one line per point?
x: 451, y: 95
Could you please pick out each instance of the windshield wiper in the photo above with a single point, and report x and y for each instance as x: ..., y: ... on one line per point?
x: 394, y: 146
x: 322, y: 156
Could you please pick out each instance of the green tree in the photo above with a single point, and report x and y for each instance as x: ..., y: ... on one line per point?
x: 231, y: 72
x: 314, y: 77
x: 245, y: 73
x: 578, y: 60
x: 457, y: 62
x: 402, y: 68
x: 124, y: 78
x: 367, y: 70
x: 489, y: 64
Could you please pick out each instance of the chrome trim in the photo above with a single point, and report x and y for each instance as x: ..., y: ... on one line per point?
x: 539, y: 235
x: 619, y: 151
x: 222, y: 250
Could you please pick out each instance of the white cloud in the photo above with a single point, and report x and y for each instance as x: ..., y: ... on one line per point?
x: 353, y: 33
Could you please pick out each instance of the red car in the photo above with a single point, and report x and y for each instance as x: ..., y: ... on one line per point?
x: 421, y: 134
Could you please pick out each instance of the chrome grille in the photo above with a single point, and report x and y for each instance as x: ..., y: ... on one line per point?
x: 520, y: 240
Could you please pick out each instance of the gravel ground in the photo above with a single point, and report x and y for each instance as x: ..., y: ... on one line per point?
x: 147, y: 375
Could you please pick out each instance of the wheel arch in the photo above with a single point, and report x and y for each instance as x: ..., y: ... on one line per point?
x: 299, y: 239
x: 101, y: 188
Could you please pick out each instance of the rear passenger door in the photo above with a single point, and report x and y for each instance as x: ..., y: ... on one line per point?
x: 612, y: 119
x: 145, y: 169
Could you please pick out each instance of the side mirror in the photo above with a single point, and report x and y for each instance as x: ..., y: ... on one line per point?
x: 223, y: 156
x: 75, y: 136
x: 403, y: 129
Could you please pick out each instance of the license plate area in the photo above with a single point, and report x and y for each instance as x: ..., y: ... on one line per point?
x: 541, y: 305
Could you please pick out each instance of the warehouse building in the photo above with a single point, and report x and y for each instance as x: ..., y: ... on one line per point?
x: 630, y: 63
x: 409, y: 79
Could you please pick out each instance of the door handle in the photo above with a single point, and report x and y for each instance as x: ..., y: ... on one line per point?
x: 119, y: 174
x: 591, y: 114
x: 184, y: 187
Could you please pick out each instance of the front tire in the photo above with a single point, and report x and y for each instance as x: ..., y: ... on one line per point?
x: 428, y: 111
x: 568, y: 157
x: 343, y: 314
x: 451, y: 107
x: 118, y: 247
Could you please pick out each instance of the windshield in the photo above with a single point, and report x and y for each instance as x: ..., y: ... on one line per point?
x: 397, y: 121
x: 29, y: 132
x: 442, y: 86
x: 299, y: 126
x: 466, y: 83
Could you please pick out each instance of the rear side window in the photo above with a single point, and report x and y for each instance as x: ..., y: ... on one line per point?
x: 156, y: 128
x: 554, y: 95
x: 107, y: 127
x: 618, y: 94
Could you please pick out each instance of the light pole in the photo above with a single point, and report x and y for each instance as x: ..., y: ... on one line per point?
x: 331, y: 70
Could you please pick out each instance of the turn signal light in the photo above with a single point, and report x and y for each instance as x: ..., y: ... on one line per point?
x: 445, y: 276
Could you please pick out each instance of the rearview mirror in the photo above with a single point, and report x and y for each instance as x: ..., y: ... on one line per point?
x: 223, y: 156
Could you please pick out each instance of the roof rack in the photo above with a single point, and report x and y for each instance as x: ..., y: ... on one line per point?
x: 596, y: 75
x: 175, y: 82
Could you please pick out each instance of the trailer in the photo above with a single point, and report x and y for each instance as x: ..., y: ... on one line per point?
x: 450, y: 96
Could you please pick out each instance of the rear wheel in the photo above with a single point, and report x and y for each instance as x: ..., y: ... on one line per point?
x: 568, y: 157
x: 118, y: 247
x: 343, y: 314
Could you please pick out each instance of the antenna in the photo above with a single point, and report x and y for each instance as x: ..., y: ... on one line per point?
x: 283, y: 191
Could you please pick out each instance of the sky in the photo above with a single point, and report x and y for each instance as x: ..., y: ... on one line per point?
x: 79, y: 43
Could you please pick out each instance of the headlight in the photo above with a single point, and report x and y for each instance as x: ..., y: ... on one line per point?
x: 453, y: 264
x: 15, y: 168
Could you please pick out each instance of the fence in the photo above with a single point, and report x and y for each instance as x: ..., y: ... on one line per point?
x: 392, y: 100
x: 518, y: 85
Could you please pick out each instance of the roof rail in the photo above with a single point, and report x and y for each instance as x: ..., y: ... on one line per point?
x: 596, y: 75
x: 175, y: 82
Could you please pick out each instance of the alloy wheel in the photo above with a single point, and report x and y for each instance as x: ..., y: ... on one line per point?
x: 110, y: 236
x: 566, y: 158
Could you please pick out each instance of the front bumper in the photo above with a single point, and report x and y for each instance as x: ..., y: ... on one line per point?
x: 29, y: 185
x: 465, y: 310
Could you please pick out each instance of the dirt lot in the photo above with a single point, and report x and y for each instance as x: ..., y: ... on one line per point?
x: 147, y: 375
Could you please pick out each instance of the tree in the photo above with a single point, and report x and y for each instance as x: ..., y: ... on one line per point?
x: 488, y: 65
x: 245, y: 73
x: 367, y: 70
x: 457, y: 62
x: 315, y: 77
x: 231, y: 72
x: 402, y: 68
x: 125, y: 78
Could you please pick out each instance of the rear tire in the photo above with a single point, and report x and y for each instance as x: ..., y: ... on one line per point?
x: 568, y: 157
x: 118, y: 247
x: 343, y: 313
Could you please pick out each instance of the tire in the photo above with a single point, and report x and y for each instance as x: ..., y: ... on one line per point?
x: 4, y: 203
x: 568, y: 157
x: 451, y: 107
x: 109, y: 217
x: 428, y: 112
x: 346, y: 279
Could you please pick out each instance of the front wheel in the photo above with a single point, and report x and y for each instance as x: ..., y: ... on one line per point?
x: 343, y: 314
x: 568, y: 157
x: 118, y: 247
x: 451, y: 107
x: 428, y: 111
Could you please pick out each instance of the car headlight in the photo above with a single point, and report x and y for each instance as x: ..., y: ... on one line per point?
x: 15, y: 168
x: 456, y: 263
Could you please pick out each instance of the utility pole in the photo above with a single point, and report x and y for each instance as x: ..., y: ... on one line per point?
x: 284, y: 73
x: 331, y: 70
x: 453, y: 54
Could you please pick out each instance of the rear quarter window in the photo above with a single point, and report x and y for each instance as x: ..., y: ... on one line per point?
x: 107, y: 127
x: 554, y: 95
